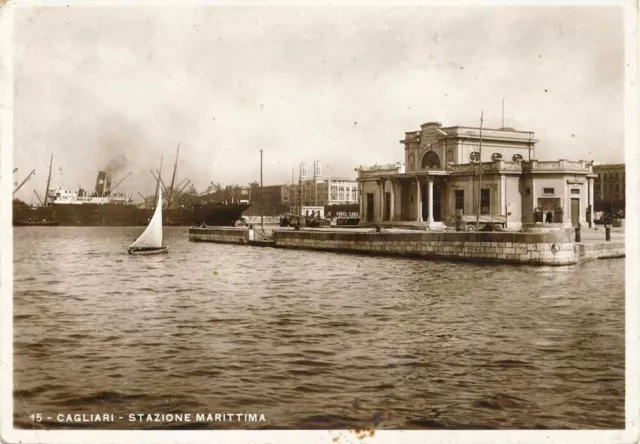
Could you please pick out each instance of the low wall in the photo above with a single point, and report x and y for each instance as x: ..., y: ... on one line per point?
x: 601, y: 250
x: 554, y: 248
x: 222, y: 235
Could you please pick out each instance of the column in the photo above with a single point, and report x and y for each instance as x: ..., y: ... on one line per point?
x: 393, y: 201
x: 430, y: 206
x: 418, y: 201
x: 361, y: 200
x: 503, y: 195
x: 591, y: 200
x: 381, y: 200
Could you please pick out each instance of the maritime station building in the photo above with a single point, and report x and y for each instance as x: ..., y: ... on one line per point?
x: 443, y: 167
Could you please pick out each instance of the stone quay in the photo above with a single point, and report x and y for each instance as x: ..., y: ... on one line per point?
x: 548, y: 248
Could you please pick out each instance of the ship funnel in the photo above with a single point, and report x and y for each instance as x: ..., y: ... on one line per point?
x: 101, y: 183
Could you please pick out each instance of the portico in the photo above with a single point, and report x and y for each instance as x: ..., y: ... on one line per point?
x: 398, y: 197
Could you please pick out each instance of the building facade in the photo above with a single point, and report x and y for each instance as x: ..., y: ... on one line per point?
x: 610, y: 188
x: 271, y: 199
x: 319, y: 190
x: 462, y: 170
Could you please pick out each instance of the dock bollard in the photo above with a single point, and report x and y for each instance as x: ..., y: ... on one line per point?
x: 607, y: 231
x: 578, y: 237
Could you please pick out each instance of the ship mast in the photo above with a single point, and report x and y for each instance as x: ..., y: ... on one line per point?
x: 155, y: 199
x: 173, y: 179
x: 46, y: 192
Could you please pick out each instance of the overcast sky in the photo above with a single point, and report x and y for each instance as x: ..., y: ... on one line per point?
x: 122, y: 86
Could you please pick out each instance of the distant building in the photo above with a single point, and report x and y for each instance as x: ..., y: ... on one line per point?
x: 442, y: 177
x: 320, y: 190
x: 609, y: 188
x: 272, y: 201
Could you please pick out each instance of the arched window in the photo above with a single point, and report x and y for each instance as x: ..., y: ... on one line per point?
x: 430, y: 160
x: 474, y: 157
x: 516, y: 157
x: 496, y: 156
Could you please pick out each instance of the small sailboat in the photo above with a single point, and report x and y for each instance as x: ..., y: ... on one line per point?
x: 150, y: 241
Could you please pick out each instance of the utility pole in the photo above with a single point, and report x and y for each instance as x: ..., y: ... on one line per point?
x: 261, y: 208
x: 479, y: 174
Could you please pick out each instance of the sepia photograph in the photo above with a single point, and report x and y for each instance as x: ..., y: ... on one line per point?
x: 319, y: 223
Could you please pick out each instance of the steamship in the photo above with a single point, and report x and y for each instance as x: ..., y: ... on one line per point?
x: 103, y: 207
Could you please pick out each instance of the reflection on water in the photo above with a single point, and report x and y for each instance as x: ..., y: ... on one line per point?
x: 312, y: 340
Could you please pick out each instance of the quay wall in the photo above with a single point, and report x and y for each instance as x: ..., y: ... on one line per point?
x: 220, y: 235
x: 601, y: 250
x: 555, y: 248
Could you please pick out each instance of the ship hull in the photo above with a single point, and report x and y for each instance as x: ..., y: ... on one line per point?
x: 89, y: 215
x: 28, y: 223
x: 148, y: 251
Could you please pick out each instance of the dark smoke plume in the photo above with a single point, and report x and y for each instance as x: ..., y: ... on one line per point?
x: 120, y: 143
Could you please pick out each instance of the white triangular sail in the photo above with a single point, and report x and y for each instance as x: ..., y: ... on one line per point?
x: 152, y: 236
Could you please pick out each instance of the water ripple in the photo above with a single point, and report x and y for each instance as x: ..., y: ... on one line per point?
x: 312, y: 340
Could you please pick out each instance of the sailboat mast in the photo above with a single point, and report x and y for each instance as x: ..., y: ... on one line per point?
x: 46, y: 193
x: 155, y: 199
x: 173, y: 179
x: 479, y: 175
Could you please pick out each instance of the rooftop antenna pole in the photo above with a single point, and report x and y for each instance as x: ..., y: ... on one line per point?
x: 261, y: 208
x: 479, y: 175
x: 502, y: 113
x: 46, y: 193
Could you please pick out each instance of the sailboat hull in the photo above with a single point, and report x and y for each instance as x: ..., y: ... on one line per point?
x: 148, y: 251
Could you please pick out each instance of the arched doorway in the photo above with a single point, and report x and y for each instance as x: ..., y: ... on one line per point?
x: 430, y: 160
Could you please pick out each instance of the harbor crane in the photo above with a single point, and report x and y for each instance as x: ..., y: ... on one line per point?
x: 173, y: 178
x: 146, y: 200
x: 119, y: 182
x: 157, y: 177
x: 216, y: 186
x: 24, y: 181
x: 38, y: 196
